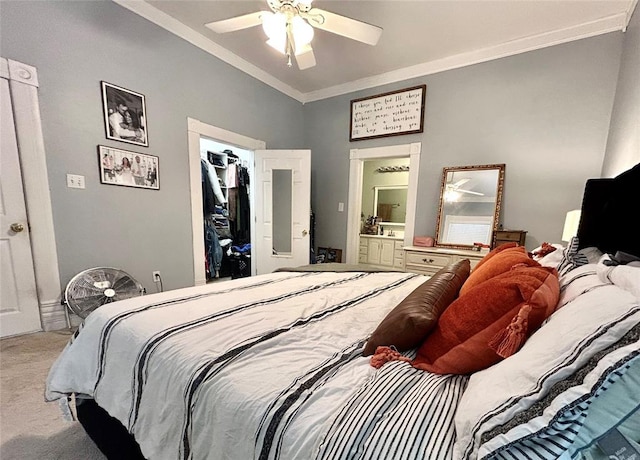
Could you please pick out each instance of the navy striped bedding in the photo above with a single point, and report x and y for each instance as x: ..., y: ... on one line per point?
x: 270, y: 367
x: 267, y: 367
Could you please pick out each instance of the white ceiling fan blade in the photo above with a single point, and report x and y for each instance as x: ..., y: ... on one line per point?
x: 305, y: 58
x: 461, y: 182
x: 238, y: 23
x: 344, y: 26
x: 469, y: 191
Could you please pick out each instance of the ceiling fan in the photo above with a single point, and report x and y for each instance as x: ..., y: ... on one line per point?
x: 453, y: 190
x: 289, y: 26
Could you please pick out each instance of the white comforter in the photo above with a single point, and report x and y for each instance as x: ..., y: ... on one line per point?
x: 264, y: 367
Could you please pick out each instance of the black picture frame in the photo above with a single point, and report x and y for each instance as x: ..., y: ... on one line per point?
x: 125, y: 115
x: 128, y: 169
x: 394, y: 113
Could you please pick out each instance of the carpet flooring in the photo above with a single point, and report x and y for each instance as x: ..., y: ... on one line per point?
x: 31, y: 429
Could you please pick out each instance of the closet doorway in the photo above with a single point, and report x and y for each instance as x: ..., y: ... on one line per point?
x: 227, y: 174
x: 202, y: 139
x: 279, y: 197
x: 357, y: 159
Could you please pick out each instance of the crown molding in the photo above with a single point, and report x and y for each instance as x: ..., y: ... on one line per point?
x: 601, y: 26
x: 617, y: 22
x: 162, y: 19
x: 630, y: 10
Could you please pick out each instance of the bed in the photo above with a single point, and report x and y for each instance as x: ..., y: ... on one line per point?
x: 271, y: 367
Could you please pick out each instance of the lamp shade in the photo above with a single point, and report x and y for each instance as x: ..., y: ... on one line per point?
x: 571, y: 223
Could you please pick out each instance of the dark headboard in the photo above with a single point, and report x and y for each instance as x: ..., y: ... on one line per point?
x: 610, y: 210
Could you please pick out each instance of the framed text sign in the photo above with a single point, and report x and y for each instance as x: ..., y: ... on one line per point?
x: 389, y: 114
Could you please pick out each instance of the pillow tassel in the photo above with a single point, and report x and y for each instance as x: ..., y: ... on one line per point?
x: 384, y: 355
x: 509, y: 340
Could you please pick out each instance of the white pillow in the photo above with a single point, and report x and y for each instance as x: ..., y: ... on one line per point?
x: 625, y: 276
x: 572, y: 335
x: 579, y: 281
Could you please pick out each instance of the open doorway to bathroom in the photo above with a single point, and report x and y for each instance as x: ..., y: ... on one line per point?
x: 364, y: 186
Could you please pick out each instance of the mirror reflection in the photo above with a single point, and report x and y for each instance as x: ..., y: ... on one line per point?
x: 390, y: 204
x: 470, y: 200
x: 282, y: 196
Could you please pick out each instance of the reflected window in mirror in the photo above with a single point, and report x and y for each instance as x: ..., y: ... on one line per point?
x: 470, y: 202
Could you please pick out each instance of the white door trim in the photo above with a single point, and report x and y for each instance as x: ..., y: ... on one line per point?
x: 357, y: 158
x: 23, y: 83
x: 197, y: 129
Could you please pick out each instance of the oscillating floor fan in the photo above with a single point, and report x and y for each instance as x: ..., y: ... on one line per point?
x: 95, y: 287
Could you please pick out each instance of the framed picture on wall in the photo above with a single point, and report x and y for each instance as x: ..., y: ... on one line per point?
x: 125, y: 115
x: 130, y: 169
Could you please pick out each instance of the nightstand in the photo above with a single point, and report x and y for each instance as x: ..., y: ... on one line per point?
x: 508, y: 236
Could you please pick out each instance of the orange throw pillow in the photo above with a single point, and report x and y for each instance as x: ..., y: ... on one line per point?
x: 488, y: 323
x: 416, y: 315
x: 498, y: 261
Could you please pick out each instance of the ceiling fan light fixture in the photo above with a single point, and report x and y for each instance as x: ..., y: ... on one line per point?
x: 279, y: 44
x: 302, y: 32
x: 274, y: 25
x: 451, y: 196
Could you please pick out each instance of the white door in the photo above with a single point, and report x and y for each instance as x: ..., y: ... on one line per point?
x: 19, y: 312
x: 283, y: 207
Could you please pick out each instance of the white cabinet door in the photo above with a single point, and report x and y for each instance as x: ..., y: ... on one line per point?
x: 387, y: 252
x: 375, y: 248
x: 19, y: 312
x: 283, y: 209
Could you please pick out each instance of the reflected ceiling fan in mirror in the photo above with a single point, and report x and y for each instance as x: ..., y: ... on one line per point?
x: 453, y: 190
x: 289, y: 26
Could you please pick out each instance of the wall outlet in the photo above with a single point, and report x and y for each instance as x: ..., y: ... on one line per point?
x: 75, y: 181
x: 156, y: 276
x: 340, y: 207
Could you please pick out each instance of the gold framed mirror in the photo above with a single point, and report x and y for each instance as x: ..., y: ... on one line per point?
x: 469, y: 208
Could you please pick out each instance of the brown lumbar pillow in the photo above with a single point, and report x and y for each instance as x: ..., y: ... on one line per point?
x: 407, y: 325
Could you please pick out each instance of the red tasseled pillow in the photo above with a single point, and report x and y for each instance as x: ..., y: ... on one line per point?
x: 498, y: 261
x: 489, y: 322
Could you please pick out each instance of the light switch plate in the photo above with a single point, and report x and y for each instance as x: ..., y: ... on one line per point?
x: 75, y: 181
x: 340, y: 207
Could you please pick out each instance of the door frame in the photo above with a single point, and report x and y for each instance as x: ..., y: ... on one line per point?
x: 195, y: 130
x: 357, y: 158
x: 23, y: 84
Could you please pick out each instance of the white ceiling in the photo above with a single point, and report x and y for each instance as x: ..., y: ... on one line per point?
x: 419, y: 37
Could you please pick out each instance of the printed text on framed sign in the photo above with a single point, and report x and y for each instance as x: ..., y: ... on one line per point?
x: 389, y: 114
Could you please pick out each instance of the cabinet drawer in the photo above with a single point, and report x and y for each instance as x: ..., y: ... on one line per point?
x: 421, y: 258
x: 362, y: 259
x: 364, y: 249
x: 508, y: 236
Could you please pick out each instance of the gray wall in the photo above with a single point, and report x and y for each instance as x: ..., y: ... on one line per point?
x: 545, y: 114
x: 75, y: 45
x: 623, y: 145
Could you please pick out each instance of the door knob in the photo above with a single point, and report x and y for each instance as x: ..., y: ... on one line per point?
x: 305, y: 233
x: 17, y: 227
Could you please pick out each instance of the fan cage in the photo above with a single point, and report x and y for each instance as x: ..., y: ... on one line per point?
x: 97, y: 286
